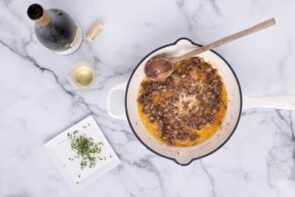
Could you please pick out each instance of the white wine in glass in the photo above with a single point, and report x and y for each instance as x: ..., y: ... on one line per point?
x: 83, y: 75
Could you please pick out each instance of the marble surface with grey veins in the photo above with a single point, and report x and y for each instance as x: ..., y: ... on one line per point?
x: 38, y: 99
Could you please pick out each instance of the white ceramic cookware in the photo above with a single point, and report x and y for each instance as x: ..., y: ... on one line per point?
x: 236, y: 103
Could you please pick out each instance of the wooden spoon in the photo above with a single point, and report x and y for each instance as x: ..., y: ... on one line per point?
x: 160, y: 67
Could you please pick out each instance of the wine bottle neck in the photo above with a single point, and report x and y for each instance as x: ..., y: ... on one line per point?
x: 38, y: 14
x: 44, y: 19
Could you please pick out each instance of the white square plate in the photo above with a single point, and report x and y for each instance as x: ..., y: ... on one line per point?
x: 60, y: 151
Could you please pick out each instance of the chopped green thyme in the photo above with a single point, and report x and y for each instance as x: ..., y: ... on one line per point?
x: 85, y: 148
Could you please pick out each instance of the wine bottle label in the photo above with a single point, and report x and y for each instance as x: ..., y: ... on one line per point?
x: 75, y: 44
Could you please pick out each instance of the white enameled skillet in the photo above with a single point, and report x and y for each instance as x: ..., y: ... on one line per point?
x: 236, y: 103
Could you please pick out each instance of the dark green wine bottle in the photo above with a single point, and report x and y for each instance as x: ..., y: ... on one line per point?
x: 55, y: 29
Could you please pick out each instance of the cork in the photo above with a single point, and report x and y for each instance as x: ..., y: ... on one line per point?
x: 94, y: 31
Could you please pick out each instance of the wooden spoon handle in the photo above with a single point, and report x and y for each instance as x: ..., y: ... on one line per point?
x: 227, y: 39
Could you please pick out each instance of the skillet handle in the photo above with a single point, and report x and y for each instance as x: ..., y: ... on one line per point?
x: 122, y: 87
x: 286, y: 102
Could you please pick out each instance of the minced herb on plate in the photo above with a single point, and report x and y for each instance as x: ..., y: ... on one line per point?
x: 85, y: 148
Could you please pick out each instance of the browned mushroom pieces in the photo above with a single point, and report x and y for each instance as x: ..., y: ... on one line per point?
x: 196, y: 60
x: 186, y: 101
x: 170, y: 140
x: 193, y: 137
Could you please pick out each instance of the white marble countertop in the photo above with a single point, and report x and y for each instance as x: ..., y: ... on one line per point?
x: 38, y: 101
